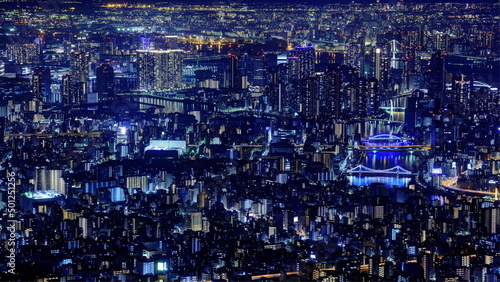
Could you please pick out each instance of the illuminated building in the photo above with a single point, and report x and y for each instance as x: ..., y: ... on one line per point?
x: 79, y: 68
x: 380, y: 66
x: 306, y: 60
x: 258, y: 69
x: 49, y: 179
x: 105, y: 82
x: 159, y: 70
x: 23, y: 53
x: 333, y: 91
x: 196, y: 224
x: 310, y: 96
x: 235, y: 81
x: 41, y: 83
x: 355, y: 56
x: 461, y: 92
x: 67, y: 90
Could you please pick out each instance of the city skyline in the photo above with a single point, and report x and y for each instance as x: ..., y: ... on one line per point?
x: 249, y: 141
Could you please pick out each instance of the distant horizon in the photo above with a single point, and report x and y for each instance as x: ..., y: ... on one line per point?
x: 212, y: 2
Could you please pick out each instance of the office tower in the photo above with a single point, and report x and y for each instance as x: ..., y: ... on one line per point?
x: 395, y: 75
x: 300, y: 64
x: 355, y: 56
x: 310, y: 96
x: 461, y: 93
x: 105, y: 82
x: 333, y: 92
x: 293, y: 70
x: 79, y: 68
x: 372, y: 97
x: 436, y: 76
x: 411, y: 68
x: 257, y: 75
x: 380, y: 66
x: 67, y: 89
x: 361, y: 98
x: 23, y: 54
x: 275, y: 91
x: 234, y: 77
x: 442, y: 41
x: 41, y: 83
x: 306, y: 58
x: 159, y: 70
x: 276, y: 96
x: 365, y: 101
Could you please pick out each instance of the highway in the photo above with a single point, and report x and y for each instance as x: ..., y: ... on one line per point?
x: 451, y: 183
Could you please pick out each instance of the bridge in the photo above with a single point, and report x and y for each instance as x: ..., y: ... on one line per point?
x: 390, y: 142
x: 386, y: 139
x: 361, y: 169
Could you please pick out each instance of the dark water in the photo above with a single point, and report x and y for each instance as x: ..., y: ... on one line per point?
x: 380, y: 160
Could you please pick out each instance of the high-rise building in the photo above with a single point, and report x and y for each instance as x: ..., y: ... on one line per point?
x: 411, y: 68
x: 234, y: 73
x: 41, y: 83
x: 355, y: 56
x: 159, y: 70
x: 257, y: 74
x: 436, y: 75
x: 380, y: 66
x: 105, y: 82
x: 306, y: 58
x: 310, y: 96
x: 276, y: 94
x: 23, y: 53
x: 333, y: 92
x: 461, y: 93
x: 372, y: 98
x: 79, y: 68
x: 66, y: 89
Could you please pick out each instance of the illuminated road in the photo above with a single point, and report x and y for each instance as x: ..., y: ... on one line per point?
x: 451, y: 183
x: 51, y: 135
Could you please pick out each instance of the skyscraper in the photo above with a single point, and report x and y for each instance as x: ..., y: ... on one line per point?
x: 79, y: 67
x: 436, y: 75
x: 355, y: 56
x: 41, y: 82
x: 67, y: 89
x: 159, y: 70
x: 380, y: 66
x: 461, y: 93
x: 306, y: 60
x: 310, y: 96
x: 333, y: 92
x: 234, y: 73
x: 300, y: 64
x: 105, y: 82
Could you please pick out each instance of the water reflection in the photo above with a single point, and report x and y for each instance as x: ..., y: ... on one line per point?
x: 381, y: 160
x: 391, y: 182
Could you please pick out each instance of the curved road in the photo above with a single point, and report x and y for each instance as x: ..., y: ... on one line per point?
x: 451, y: 183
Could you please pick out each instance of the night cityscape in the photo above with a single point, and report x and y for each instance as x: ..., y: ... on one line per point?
x: 249, y: 141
